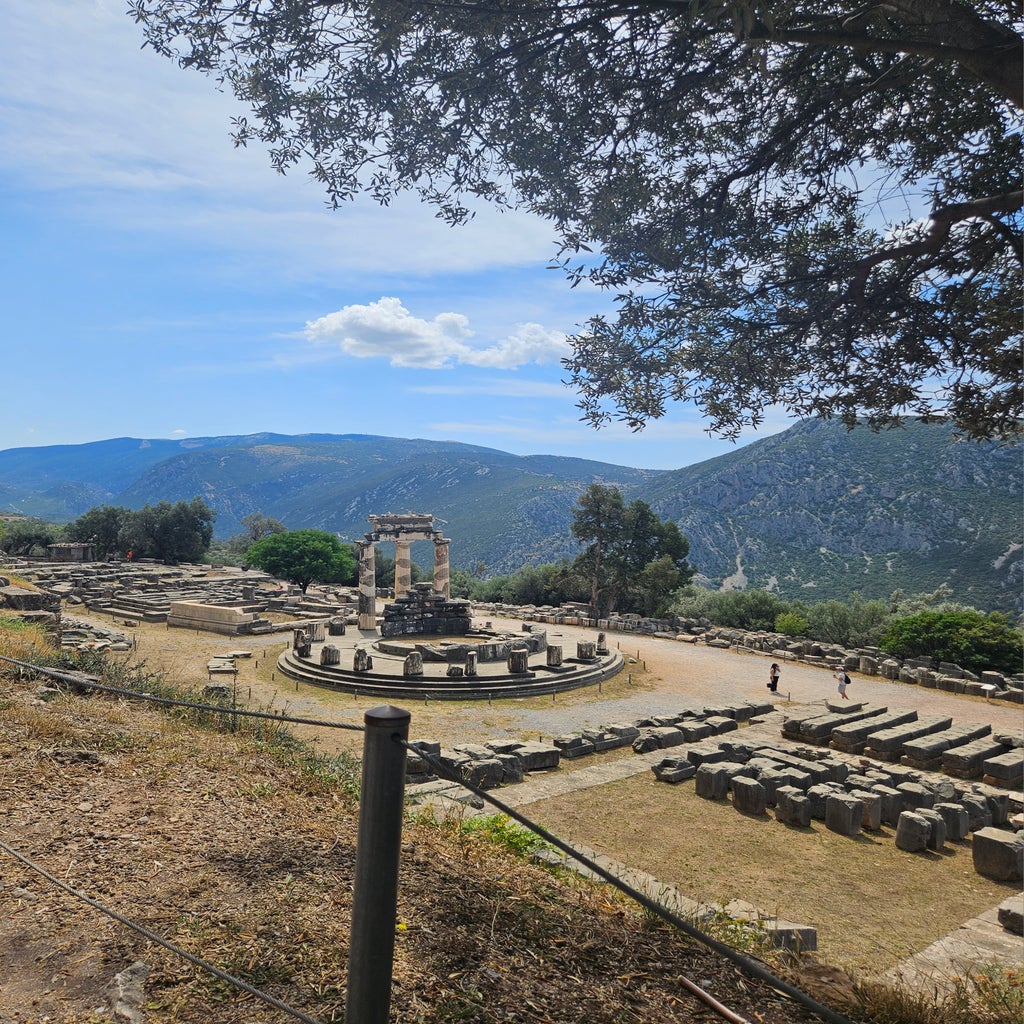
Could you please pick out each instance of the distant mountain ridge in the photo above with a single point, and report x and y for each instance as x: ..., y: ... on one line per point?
x: 813, y: 512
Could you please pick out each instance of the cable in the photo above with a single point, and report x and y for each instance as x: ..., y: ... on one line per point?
x: 74, y: 680
x: 153, y: 937
x: 749, y: 965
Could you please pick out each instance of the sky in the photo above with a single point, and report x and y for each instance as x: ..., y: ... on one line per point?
x: 158, y: 282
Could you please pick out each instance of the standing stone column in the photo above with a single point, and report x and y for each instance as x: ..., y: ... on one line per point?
x: 518, y: 661
x: 367, y: 586
x: 403, y: 567
x: 442, y: 577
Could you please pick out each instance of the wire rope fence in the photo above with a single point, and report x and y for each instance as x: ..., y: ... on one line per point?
x: 382, y: 808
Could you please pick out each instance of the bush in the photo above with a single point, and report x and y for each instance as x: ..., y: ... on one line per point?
x: 966, y: 638
x: 791, y: 624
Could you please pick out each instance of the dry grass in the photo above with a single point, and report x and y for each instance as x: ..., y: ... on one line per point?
x: 243, y: 854
x: 873, y: 905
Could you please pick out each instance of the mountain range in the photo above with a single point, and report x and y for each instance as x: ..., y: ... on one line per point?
x: 815, y: 512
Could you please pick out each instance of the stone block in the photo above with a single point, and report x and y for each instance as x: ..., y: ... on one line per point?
x: 674, y: 769
x: 711, y: 782
x: 912, y: 832
x: 890, y: 803
x: 998, y: 854
x: 1011, y: 914
x: 997, y: 802
x: 773, y: 779
x: 692, y: 733
x: 748, y: 796
x: 843, y: 814
x: 872, y: 804
x: 956, y: 820
x: 512, y: 769
x: 706, y: 755
x: 485, y: 774
x: 967, y: 762
x: 817, y: 797
x: 627, y: 731
x: 936, y: 827
x: 657, y: 738
x: 887, y: 744
x: 851, y: 737
x: 1006, y: 768
x: 819, y: 730
x: 792, y: 807
x: 538, y: 756
x: 979, y: 814
x: 721, y: 724
x: 572, y: 747
x: 915, y: 796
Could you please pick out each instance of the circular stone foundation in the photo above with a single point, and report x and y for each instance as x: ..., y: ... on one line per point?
x: 443, y: 663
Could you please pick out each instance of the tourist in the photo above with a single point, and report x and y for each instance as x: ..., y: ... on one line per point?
x: 844, y: 682
x: 773, y: 677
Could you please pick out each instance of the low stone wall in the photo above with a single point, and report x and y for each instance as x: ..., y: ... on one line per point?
x: 211, y: 618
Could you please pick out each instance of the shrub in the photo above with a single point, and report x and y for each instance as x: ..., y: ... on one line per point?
x: 791, y: 624
x: 969, y: 639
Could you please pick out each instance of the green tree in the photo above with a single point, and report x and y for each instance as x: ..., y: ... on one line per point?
x: 623, y: 541
x: 855, y: 624
x: 100, y: 526
x: 304, y: 557
x: 814, y: 205
x: 25, y: 537
x: 598, y: 519
x: 169, y: 533
x: 255, y: 526
x: 973, y: 641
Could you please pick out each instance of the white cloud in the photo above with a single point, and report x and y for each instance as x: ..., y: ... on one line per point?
x: 386, y: 329
x: 123, y: 138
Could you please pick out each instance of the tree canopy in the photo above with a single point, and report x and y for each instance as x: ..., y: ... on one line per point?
x: 181, y: 532
x: 815, y: 205
x: 967, y: 638
x: 630, y: 551
x: 303, y: 557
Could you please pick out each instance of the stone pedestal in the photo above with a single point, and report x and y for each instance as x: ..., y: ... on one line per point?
x: 554, y: 656
x: 471, y: 657
x: 361, y: 661
x: 298, y: 638
x: 518, y: 662
x: 413, y: 667
x: 330, y: 655
x: 586, y: 650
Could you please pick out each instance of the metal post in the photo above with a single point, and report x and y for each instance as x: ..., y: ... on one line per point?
x: 374, y: 903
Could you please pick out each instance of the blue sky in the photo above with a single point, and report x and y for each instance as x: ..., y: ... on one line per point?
x: 158, y: 282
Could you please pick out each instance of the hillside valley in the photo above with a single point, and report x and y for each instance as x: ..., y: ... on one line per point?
x: 815, y: 512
